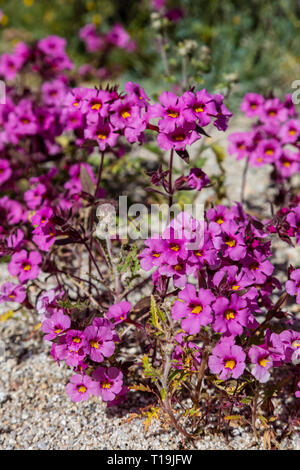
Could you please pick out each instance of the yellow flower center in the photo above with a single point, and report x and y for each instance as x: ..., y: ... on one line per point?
x: 198, y: 253
x: 272, y: 113
x: 25, y: 121
x: 82, y: 389
x: 76, y: 339
x: 96, y: 106
x: 94, y: 344
x: 105, y: 384
x: 296, y: 344
x: 11, y: 296
x: 125, y: 114
x: 230, y: 364
x: 27, y: 267
x: 269, y: 152
x: 253, y: 106
x: 292, y: 131
x: 155, y: 254
x: 59, y: 330
x: 220, y: 221
x: 286, y: 163
x: 76, y: 104
x: 259, y: 159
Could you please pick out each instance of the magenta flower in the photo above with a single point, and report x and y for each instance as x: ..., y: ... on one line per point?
x: 297, y: 393
x: 222, y: 113
x: 75, y: 99
x: 98, y: 342
x: 81, y: 387
x: 25, y: 265
x: 34, y: 196
x: 258, y: 269
x: 137, y: 93
x: 227, y: 360
x: 103, y: 133
x: 231, y: 241
x: 95, y: 104
x: 194, y: 308
x: 5, y: 170
x: 197, y: 179
x: 10, y: 64
x: 288, y: 163
x: 154, y: 254
x: 293, y: 284
x: 119, y: 37
x: 10, y: 292
x: 198, y: 108
x: 289, y: 341
x: 262, y: 362
x: 11, y: 211
x: 174, y: 247
x: 54, y: 92
x: 110, y: 382
x: 216, y: 217
x: 293, y: 218
x: 290, y: 131
x: 119, y: 398
x: 93, y: 41
x: 47, y: 303
x: 56, y: 325
x: 186, y: 353
x: 231, y: 316
x: 239, y: 143
x: 125, y: 112
x: 118, y: 312
x: 170, y: 110
x: 273, y: 110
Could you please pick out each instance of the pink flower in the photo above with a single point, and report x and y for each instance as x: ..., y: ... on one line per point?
x: 5, y: 170
x: 56, y: 325
x: 262, y: 361
x: 25, y: 265
x: 98, y: 342
x: 194, y: 308
x: 197, y: 179
x: 110, y: 382
x: 179, y: 138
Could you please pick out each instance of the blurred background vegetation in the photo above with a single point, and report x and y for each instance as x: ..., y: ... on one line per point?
x: 255, y: 43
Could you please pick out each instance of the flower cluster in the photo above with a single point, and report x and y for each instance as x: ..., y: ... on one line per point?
x: 286, y: 221
x: 227, y: 255
x: 273, y: 138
